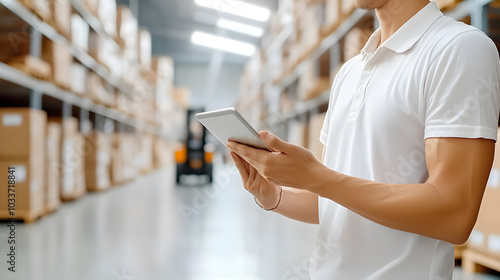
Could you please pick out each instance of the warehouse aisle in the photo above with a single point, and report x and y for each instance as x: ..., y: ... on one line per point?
x: 150, y: 230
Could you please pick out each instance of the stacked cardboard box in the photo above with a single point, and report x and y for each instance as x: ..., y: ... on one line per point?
x: 92, y: 6
x: 100, y: 91
x: 40, y: 7
x: 356, y: 39
x: 298, y: 133
x: 163, y: 69
x: 485, y: 238
x: 71, y: 163
x: 128, y: 31
x: 22, y: 147
x: 316, y: 78
x: 79, y: 78
x: 52, y: 172
x: 145, y: 48
x: 61, y: 11
x: 79, y: 32
x: 107, y: 15
x: 97, y: 161
x: 59, y: 57
x: 333, y: 16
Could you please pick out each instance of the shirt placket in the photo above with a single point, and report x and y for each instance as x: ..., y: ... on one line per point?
x: 360, y: 93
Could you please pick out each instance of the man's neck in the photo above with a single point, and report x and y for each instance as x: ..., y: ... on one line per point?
x: 393, y: 14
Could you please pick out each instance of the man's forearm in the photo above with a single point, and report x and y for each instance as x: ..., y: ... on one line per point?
x: 417, y: 208
x: 299, y: 205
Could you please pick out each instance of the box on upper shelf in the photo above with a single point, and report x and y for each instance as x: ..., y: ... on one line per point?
x: 79, y: 32
x: 61, y: 11
x: 40, y: 7
x: 60, y: 59
x: 107, y: 16
x: 79, y: 78
x: 92, y: 6
x: 127, y: 28
x: 356, y: 38
x: 163, y: 68
x: 316, y: 78
x: 145, y: 48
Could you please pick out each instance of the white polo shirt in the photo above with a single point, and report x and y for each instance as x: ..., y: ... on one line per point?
x: 434, y: 77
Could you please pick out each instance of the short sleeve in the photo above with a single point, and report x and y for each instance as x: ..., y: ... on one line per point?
x: 462, y: 89
x: 323, y: 137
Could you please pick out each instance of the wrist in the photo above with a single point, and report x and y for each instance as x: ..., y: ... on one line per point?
x: 270, y: 206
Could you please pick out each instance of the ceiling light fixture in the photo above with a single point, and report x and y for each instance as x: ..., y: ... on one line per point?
x: 240, y: 27
x: 221, y: 43
x: 238, y: 8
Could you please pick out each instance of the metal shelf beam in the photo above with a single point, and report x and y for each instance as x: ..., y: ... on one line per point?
x: 15, y: 76
x: 49, y: 32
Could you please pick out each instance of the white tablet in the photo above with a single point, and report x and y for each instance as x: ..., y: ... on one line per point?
x: 227, y: 124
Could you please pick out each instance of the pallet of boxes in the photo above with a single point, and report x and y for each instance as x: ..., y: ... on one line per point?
x: 22, y: 162
x: 483, y: 246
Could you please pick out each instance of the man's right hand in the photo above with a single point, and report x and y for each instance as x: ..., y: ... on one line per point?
x: 266, y: 194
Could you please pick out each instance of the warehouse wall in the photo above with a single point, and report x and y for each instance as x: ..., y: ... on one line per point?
x: 225, y: 85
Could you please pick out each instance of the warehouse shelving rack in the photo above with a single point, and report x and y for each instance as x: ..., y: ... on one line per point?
x: 476, y: 9
x: 39, y: 88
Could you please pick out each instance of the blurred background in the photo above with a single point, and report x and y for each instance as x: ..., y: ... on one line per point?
x: 113, y: 177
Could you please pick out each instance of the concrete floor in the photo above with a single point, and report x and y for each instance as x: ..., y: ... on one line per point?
x: 150, y: 229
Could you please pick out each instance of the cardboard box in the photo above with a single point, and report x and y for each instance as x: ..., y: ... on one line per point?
x: 97, y: 161
x: 92, y: 6
x: 52, y: 173
x: 332, y: 16
x: 355, y: 40
x: 79, y: 32
x: 182, y: 96
x: 71, y: 160
x: 79, y: 78
x: 80, y: 183
x: 485, y: 236
x: 29, y: 187
x: 316, y: 78
x: 22, y: 131
x: 145, y: 48
x: 61, y: 11
x: 60, y: 59
x: 128, y: 29
x: 315, y: 125
x: 40, y: 7
x: 348, y: 7
x: 163, y: 68
x: 298, y: 133
x: 107, y: 16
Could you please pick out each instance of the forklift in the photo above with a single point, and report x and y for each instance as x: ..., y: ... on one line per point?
x: 194, y: 156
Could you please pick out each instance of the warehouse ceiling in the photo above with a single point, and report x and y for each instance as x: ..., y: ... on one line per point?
x: 171, y: 23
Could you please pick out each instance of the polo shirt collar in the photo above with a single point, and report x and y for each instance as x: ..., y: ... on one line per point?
x: 408, y: 34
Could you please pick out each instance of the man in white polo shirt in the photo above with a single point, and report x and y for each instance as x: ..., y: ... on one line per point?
x: 409, y: 137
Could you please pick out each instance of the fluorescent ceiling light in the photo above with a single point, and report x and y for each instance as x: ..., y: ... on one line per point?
x: 240, y: 27
x: 221, y: 43
x: 238, y: 8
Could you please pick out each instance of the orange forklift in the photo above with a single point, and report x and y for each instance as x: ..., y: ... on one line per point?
x: 195, y: 155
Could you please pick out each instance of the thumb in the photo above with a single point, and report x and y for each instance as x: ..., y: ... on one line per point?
x: 274, y: 142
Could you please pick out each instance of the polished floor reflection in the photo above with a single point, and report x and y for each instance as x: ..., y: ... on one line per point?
x: 150, y: 229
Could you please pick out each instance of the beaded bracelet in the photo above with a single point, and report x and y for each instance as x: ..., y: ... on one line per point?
x: 274, y: 208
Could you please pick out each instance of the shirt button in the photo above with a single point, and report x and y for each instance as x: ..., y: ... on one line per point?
x: 361, y: 88
x: 370, y: 68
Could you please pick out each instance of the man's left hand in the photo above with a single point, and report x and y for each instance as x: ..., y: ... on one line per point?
x: 288, y: 165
